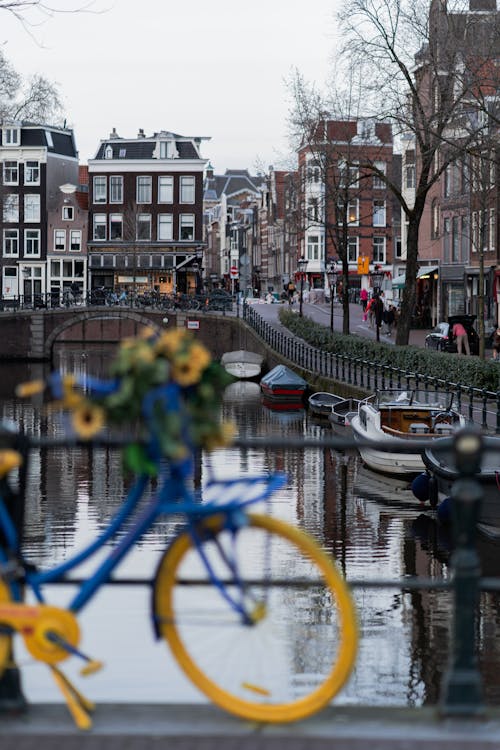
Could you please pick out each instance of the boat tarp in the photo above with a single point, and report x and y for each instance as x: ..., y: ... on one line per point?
x: 282, y: 377
x: 241, y: 355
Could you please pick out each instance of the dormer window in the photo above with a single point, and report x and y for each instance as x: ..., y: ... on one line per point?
x: 122, y: 153
x: 68, y: 213
x: 108, y: 153
x: 11, y: 136
x: 166, y: 149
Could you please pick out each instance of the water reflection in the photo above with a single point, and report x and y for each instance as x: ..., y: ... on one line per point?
x: 372, y: 524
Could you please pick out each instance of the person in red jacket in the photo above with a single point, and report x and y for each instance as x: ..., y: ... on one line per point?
x: 462, y: 339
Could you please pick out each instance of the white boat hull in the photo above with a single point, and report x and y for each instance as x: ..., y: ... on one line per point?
x: 386, y: 462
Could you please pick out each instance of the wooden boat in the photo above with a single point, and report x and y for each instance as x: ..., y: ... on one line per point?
x: 441, y: 465
x: 402, y: 416
x: 242, y: 364
x: 283, y: 386
x: 343, y: 412
x: 321, y: 403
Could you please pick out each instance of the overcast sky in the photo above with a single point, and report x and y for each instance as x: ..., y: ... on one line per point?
x: 214, y: 69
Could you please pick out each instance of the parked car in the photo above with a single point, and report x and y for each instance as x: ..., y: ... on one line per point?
x: 441, y: 337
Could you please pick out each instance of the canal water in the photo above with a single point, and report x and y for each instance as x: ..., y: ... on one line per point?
x: 371, y: 524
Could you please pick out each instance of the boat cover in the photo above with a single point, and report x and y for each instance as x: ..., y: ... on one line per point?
x: 282, y: 377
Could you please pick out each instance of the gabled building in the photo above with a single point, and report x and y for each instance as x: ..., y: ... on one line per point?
x: 229, y: 203
x: 146, y: 213
x: 67, y: 233
x: 35, y: 160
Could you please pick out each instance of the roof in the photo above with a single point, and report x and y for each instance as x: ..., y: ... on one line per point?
x: 55, y: 140
x: 143, y: 148
x: 232, y: 183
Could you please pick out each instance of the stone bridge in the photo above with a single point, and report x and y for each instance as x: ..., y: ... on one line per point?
x: 32, y: 335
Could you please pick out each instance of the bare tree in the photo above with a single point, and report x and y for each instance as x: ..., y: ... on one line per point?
x: 422, y: 71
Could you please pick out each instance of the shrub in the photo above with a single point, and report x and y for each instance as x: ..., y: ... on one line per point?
x: 466, y: 371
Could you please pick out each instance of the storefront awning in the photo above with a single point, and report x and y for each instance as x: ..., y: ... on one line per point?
x: 398, y: 282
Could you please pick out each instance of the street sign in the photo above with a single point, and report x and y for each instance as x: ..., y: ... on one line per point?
x: 233, y: 272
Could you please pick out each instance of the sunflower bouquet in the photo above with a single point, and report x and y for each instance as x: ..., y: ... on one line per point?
x: 165, y: 389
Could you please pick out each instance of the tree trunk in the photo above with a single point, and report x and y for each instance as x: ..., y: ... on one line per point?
x: 410, y: 287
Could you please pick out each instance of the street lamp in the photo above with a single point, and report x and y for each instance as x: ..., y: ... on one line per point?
x: 377, y: 276
x: 331, y: 272
x: 302, y: 266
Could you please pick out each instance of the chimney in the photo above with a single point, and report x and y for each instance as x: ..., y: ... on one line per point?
x: 140, y: 134
x: 114, y: 134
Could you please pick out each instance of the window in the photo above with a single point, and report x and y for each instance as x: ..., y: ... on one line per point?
x: 352, y: 249
x: 187, y: 190
x: 455, y: 238
x: 353, y: 212
x: 446, y: 239
x: 447, y: 181
x: 313, y: 247
x: 32, y: 173
x: 100, y: 192
x: 122, y: 153
x: 378, y: 182
x: 492, y: 229
x: 435, y: 214
x: 116, y: 227
x: 68, y: 213
x: 165, y: 227
x: 186, y: 227
x: 11, y: 136
x: 410, y: 176
x: 11, y: 208
x: 379, y: 214
x: 10, y: 173
x: 116, y: 189
x: 313, y: 209
x: 398, y: 247
x: 75, y: 240
x: 379, y: 249
x: 143, y: 190
x: 99, y: 226
x: 313, y: 171
x: 144, y: 226
x: 465, y: 238
x: 11, y: 242
x: 348, y: 175
x: 31, y: 208
x: 32, y: 243
x: 167, y: 150
x: 165, y: 189
x: 60, y: 239
x: 108, y: 152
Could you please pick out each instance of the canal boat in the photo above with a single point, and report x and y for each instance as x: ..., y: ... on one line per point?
x: 441, y: 465
x: 342, y: 414
x: 242, y: 364
x: 282, y: 387
x: 402, y: 417
x: 321, y: 403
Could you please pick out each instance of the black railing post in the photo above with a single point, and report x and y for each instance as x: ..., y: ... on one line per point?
x: 462, y: 693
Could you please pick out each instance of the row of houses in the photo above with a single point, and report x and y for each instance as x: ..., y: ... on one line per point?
x: 149, y: 213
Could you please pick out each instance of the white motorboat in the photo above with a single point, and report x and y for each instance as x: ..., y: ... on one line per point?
x: 242, y: 364
x: 402, y: 416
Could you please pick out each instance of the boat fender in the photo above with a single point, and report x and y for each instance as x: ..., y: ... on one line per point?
x: 420, y: 487
x: 444, y: 511
x: 433, y: 491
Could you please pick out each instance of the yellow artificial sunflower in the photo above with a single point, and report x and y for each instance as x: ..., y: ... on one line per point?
x: 30, y: 388
x: 87, y: 420
x: 170, y: 342
x: 188, y: 367
x: 9, y: 459
x: 222, y: 437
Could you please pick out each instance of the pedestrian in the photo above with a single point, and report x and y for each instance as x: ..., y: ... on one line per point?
x: 290, y: 291
x: 378, y: 310
x: 389, y: 318
x: 462, y: 339
x: 364, y: 298
x: 496, y: 344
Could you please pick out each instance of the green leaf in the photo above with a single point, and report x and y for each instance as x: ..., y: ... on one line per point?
x: 137, y: 461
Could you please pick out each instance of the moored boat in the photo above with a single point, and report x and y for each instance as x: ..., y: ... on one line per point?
x: 283, y: 386
x: 343, y: 412
x: 242, y: 364
x: 401, y: 417
x: 441, y: 465
x: 321, y: 403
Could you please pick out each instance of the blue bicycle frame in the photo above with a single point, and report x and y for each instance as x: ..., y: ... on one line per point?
x: 174, y: 497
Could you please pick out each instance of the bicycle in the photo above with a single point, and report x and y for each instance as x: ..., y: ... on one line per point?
x: 254, y: 611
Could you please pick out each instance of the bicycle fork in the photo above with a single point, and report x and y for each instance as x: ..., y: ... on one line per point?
x: 52, y: 634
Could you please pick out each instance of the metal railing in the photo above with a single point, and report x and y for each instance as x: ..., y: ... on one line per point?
x: 479, y: 405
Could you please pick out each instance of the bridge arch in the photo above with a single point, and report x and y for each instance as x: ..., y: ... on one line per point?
x: 152, y: 321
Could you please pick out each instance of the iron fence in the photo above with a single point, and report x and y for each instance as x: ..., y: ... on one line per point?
x: 479, y: 405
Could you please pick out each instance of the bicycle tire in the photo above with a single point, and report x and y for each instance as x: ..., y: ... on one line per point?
x: 321, y: 622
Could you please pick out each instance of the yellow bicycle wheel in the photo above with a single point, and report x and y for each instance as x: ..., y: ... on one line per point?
x: 5, y: 640
x: 300, y: 646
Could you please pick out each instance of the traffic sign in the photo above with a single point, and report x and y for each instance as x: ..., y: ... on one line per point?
x: 233, y: 272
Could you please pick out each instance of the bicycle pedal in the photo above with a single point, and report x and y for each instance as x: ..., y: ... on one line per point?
x: 91, y: 667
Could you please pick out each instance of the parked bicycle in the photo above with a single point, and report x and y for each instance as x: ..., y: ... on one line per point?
x: 255, y: 613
